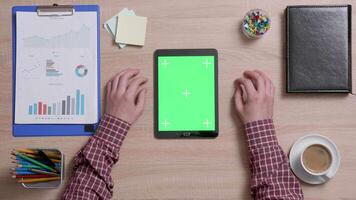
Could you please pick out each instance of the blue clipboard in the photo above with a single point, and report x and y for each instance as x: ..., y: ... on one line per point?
x: 25, y: 130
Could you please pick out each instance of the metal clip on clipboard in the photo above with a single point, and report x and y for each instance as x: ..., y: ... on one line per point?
x: 55, y: 10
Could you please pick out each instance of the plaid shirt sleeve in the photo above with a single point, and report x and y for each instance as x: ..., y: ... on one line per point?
x: 92, y: 165
x: 272, y: 178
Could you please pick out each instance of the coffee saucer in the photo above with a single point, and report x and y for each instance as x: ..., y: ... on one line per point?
x: 297, y: 149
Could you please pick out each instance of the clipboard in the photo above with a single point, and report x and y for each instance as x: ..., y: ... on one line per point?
x: 25, y: 130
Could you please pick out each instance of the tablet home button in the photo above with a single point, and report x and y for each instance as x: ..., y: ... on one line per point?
x: 186, y: 134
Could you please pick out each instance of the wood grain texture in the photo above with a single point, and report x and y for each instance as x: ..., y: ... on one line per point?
x: 193, y: 169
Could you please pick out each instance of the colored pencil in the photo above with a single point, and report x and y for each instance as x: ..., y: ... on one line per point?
x: 22, y: 169
x: 35, y: 162
x: 22, y: 162
x: 16, y: 158
x: 29, y: 155
x: 19, y: 169
x: 26, y: 154
x: 43, y: 172
x: 23, y: 173
x: 25, y: 151
x: 29, y: 166
x: 33, y: 180
x: 33, y: 151
x: 31, y: 176
x: 32, y: 156
x: 55, y: 160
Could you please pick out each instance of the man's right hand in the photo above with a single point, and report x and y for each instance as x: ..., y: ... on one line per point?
x: 254, y: 96
x: 126, y: 95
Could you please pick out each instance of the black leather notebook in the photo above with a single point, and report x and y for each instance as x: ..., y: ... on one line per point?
x: 319, y: 48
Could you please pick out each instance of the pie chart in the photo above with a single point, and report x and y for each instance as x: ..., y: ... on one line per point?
x: 81, y: 71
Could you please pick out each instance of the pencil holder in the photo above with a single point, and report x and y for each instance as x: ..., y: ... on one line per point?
x: 38, y: 168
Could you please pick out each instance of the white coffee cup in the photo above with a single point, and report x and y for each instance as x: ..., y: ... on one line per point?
x: 317, y: 154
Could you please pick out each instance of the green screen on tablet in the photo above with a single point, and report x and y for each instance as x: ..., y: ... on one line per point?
x: 186, y: 93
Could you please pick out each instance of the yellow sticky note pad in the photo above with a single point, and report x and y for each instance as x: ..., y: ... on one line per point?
x: 131, y: 30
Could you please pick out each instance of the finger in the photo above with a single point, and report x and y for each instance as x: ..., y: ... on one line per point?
x: 268, y: 81
x: 244, y: 93
x: 134, y: 85
x: 238, y: 98
x: 141, y: 87
x: 141, y: 100
x: 263, y: 75
x: 116, y: 78
x: 257, y: 79
x: 247, y: 83
x: 131, y: 80
x: 124, y: 79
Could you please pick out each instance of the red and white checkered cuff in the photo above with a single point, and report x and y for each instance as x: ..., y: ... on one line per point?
x: 112, y: 130
x: 260, y: 133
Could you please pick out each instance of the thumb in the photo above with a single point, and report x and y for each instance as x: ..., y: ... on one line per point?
x: 238, y: 98
x: 141, y: 100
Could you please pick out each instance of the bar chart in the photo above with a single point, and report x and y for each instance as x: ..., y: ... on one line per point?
x: 69, y: 105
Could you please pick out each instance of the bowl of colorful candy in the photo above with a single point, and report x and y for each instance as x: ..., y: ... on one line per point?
x: 256, y: 23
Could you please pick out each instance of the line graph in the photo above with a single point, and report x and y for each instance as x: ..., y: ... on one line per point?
x: 71, y: 39
x: 30, y: 70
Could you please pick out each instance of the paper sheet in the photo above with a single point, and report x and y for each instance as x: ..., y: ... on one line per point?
x: 111, y: 24
x: 131, y: 30
x: 56, y: 69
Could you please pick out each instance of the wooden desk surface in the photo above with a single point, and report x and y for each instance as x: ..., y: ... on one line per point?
x: 193, y: 169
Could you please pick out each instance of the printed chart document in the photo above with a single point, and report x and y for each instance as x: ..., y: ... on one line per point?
x: 56, y: 69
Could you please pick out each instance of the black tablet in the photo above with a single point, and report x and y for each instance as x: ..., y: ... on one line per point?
x: 186, y: 93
